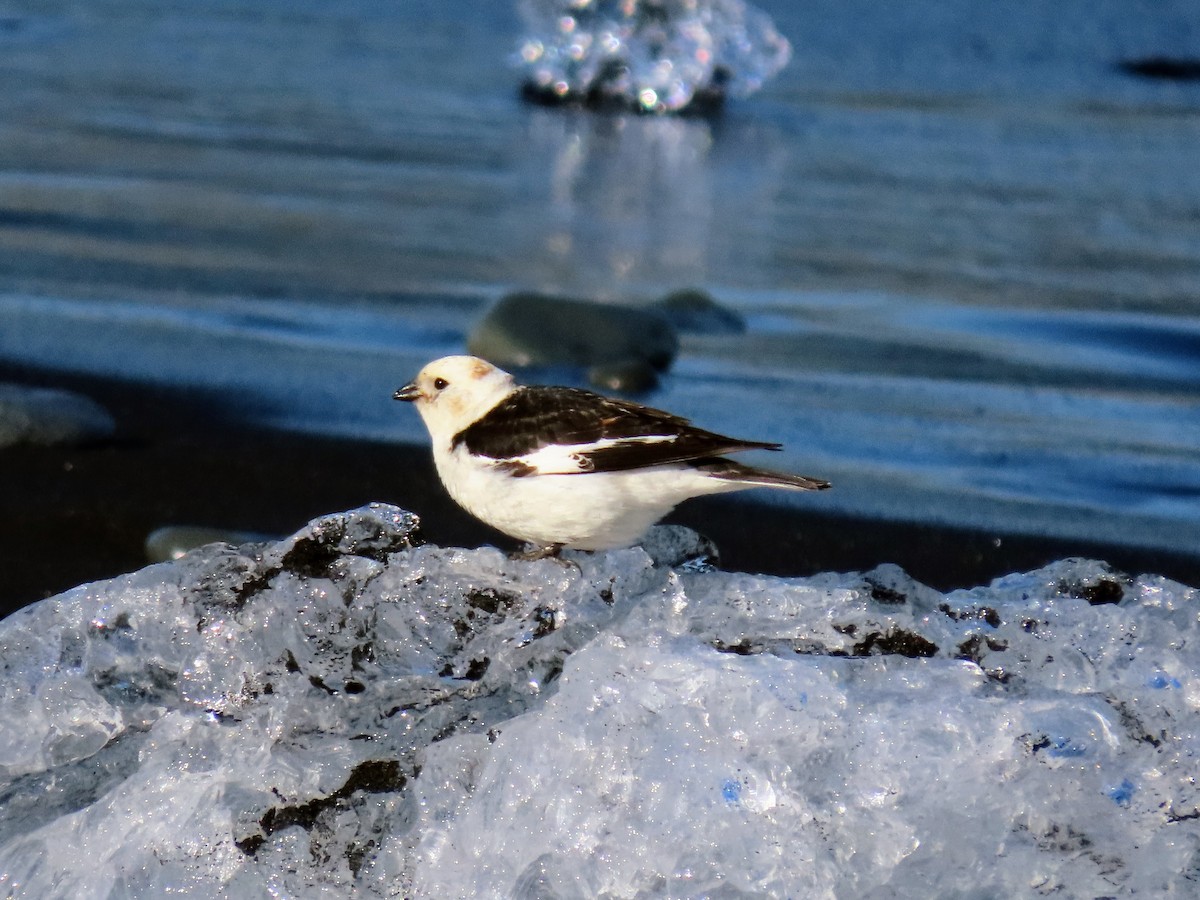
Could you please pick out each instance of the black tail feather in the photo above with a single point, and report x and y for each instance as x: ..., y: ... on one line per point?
x: 728, y: 470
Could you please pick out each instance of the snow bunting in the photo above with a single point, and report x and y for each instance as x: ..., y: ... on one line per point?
x: 560, y: 467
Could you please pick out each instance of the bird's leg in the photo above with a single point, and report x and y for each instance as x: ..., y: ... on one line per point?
x: 548, y: 551
x: 536, y: 551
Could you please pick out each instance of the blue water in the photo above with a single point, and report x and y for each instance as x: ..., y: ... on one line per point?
x: 967, y: 244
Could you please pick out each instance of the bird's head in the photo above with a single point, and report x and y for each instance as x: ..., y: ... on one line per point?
x: 452, y: 392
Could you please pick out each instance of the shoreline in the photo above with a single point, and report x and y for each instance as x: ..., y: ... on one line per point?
x: 76, y: 514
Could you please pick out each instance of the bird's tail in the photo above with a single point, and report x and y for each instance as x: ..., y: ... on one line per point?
x: 728, y: 470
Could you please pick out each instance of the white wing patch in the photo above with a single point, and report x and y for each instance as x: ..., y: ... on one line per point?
x: 571, y: 459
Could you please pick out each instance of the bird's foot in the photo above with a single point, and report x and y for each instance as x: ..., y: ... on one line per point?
x: 538, y: 551
x: 551, y: 551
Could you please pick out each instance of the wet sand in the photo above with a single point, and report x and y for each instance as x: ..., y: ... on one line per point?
x: 70, y: 515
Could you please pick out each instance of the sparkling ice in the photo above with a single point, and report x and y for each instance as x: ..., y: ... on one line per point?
x: 652, y: 55
x: 347, y: 712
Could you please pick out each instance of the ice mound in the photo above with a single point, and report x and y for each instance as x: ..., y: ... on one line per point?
x: 651, y: 55
x: 347, y: 712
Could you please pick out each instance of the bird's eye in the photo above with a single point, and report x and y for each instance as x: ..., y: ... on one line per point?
x: 440, y: 384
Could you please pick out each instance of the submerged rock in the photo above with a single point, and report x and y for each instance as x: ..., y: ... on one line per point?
x: 347, y: 713
x: 47, y: 417
x: 624, y: 377
x: 527, y: 329
x: 1162, y: 68
x: 693, y: 311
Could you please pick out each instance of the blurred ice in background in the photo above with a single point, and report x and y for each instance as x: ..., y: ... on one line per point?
x: 656, y: 56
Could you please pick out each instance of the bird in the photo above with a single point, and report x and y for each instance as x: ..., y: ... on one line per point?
x: 565, y: 468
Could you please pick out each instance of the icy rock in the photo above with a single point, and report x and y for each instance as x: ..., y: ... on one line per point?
x: 48, y: 417
x: 657, y: 56
x: 349, y: 713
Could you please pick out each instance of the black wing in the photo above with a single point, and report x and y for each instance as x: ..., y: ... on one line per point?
x: 610, y: 435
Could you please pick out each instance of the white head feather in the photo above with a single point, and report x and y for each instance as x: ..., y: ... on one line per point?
x: 452, y: 392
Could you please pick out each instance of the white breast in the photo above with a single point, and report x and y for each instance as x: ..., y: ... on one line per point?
x: 594, y: 511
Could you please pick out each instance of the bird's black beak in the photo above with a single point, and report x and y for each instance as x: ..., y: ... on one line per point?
x: 408, y: 393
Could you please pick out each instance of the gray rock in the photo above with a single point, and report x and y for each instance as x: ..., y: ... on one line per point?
x: 693, y: 311
x: 525, y: 329
x: 634, y: 377
x: 45, y: 417
x: 676, y: 546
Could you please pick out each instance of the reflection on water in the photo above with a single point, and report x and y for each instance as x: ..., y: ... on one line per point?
x: 616, y: 204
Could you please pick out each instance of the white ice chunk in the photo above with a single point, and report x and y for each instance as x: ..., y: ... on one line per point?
x: 348, y: 713
x: 653, y: 56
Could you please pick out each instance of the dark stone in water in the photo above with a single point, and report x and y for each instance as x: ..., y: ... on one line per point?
x: 527, y: 329
x: 635, y: 377
x: 1162, y: 68
x: 48, y: 417
x: 693, y: 311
